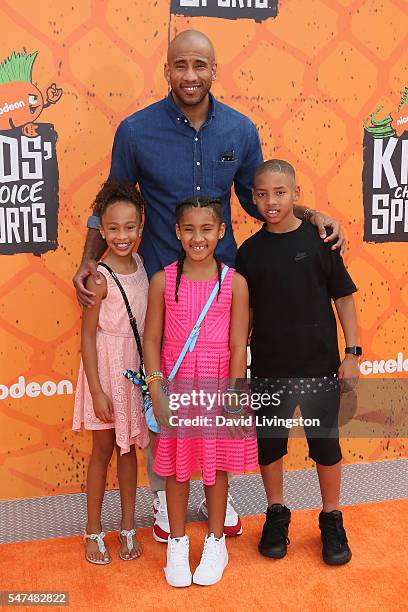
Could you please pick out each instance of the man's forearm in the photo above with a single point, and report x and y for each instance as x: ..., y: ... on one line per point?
x: 95, y: 246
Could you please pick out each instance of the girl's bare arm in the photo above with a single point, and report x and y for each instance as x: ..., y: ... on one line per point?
x: 239, y: 327
x: 153, y: 330
x: 152, y: 339
x: 101, y: 403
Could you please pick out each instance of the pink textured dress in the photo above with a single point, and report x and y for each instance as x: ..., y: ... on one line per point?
x: 208, y: 365
x: 116, y: 351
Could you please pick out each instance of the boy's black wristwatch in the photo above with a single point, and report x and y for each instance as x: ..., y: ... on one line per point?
x: 354, y: 350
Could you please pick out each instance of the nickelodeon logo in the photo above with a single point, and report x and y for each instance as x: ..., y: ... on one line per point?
x: 402, y: 120
x: 34, y: 389
x: 10, y: 107
x: 384, y: 366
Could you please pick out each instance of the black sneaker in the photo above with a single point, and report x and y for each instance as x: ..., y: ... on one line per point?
x: 336, y: 550
x: 274, y: 538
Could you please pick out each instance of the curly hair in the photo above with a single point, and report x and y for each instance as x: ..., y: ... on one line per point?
x: 117, y: 191
x: 198, y: 202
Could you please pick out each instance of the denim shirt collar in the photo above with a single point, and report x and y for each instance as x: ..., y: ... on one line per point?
x: 177, y: 114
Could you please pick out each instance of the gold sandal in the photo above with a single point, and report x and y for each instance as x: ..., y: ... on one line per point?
x: 98, y: 537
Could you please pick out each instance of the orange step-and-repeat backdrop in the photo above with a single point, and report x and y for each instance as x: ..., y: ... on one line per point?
x: 308, y: 77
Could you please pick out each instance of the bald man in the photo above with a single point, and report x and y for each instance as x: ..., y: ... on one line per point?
x: 188, y: 143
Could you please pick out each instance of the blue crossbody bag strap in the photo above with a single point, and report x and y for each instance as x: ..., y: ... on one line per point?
x: 192, y: 339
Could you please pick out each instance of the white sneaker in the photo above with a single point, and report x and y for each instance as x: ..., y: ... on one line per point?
x: 232, y: 523
x: 213, y: 561
x: 161, y: 527
x: 177, y: 570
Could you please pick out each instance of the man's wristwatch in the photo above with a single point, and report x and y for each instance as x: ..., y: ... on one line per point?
x: 354, y: 350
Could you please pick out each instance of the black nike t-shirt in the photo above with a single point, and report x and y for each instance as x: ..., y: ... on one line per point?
x: 293, y: 278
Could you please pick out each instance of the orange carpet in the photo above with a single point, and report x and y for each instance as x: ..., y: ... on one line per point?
x: 376, y: 577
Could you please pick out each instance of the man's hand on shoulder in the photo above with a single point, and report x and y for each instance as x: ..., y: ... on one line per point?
x: 85, y: 296
x: 95, y: 246
x: 321, y: 222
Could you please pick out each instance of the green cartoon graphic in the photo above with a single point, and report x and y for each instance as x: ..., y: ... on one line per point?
x: 400, y: 117
x: 21, y: 102
x: 379, y: 128
x: 394, y: 124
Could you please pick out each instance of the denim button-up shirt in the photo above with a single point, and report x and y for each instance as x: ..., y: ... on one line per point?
x: 159, y: 149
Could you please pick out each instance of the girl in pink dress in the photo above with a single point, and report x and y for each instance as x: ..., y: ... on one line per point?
x: 105, y: 402
x: 177, y: 296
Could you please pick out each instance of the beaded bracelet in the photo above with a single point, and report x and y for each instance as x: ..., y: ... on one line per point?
x: 233, y: 411
x: 238, y: 392
x: 308, y: 212
x: 153, y: 377
x: 158, y: 373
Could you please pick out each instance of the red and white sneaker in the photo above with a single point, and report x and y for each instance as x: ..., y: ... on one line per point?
x: 232, y: 523
x: 161, y: 527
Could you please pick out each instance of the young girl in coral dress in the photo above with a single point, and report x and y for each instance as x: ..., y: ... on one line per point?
x: 105, y: 402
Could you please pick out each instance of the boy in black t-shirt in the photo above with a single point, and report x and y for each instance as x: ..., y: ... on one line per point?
x: 293, y: 276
